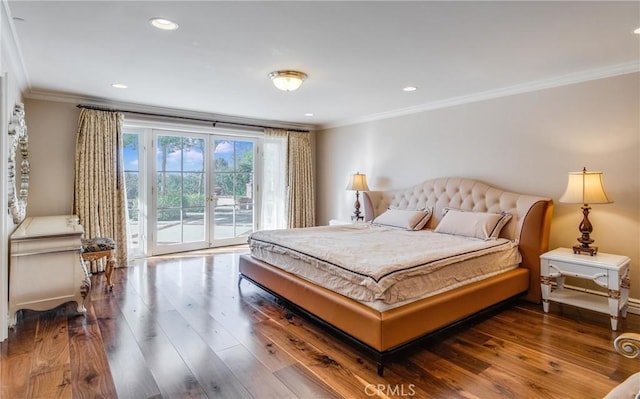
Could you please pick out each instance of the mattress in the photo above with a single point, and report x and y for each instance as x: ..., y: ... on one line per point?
x: 383, y: 267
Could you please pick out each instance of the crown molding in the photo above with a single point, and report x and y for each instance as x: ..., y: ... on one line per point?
x: 164, y: 111
x: 564, y: 80
x: 9, y: 39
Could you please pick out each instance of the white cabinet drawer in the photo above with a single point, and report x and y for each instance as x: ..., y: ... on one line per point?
x: 574, y: 270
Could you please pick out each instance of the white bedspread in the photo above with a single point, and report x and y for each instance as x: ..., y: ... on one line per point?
x: 371, y: 263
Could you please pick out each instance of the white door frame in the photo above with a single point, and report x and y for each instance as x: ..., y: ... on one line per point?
x: 153, y: 246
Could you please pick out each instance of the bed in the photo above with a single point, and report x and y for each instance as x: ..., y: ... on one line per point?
x: 383, y: 327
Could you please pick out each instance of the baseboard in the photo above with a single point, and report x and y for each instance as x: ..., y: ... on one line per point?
x: 634, y: 306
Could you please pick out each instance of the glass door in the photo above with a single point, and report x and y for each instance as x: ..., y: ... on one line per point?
x: 233, y: 200
x: 133, y: 155
x: 179, y: 220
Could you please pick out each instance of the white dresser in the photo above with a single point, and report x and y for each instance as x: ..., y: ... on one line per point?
x: 46, y: 267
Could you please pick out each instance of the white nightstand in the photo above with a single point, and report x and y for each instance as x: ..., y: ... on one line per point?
x: 338, y: 222
x: 606, y: 270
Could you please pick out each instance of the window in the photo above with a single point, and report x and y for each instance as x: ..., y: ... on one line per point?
x: 131, y: 153
x: 274, y: 183
x: 234, y: 188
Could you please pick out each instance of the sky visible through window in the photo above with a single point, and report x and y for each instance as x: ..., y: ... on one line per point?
x: 130, y: 155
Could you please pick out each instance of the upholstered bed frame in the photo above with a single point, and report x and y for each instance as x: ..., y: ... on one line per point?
x: 383, y: 333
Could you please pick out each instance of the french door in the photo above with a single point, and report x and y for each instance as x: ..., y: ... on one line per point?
x: 234, y: 187
x: 202, y: 191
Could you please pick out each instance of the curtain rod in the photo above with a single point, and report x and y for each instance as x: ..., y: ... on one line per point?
x: 99, y: 108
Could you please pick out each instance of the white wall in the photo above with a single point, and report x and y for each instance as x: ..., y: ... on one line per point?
x: 525, y: 143
x: 52, y: 147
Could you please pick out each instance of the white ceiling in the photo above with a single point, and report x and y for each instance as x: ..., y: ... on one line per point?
x: 358, y: 55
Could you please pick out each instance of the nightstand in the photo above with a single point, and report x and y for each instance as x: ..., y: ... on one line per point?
x: 338, y: 222
x: 606, y: 270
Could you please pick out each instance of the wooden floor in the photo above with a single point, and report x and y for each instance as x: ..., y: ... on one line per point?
x: 178, y: 326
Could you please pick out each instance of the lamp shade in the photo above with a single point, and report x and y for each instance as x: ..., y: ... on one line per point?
x: 585, y: 188
x: 358, y: 182
x: 287, y: 80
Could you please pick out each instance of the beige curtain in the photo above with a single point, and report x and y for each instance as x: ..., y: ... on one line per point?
x: 99, y: 191
x: 302, y: 204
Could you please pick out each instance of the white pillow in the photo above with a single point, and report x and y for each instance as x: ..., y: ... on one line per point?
x: 486, y: 226
x: 403, y: 218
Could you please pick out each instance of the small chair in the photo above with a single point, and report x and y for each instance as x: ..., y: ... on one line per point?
x: 99, y: 247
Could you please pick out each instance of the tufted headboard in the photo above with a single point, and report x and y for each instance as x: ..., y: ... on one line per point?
x: 529, y: 225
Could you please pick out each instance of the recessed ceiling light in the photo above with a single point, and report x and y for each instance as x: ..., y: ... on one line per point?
x: 119, y: 86
x: 163, y: 23
x: 410, y: 88
x: 308, y: 114
x: 637, y: 31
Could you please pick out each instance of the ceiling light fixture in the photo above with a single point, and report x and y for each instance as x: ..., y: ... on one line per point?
x: 163, y: 23
x: 287, y: 80
x: 410, y: 88
x: 637, y: 31
x: 309, y: 114
x: 119, y: 86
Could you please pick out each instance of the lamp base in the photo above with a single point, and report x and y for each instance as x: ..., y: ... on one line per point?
x: 578, y: 249
x: 586, y: 229
x: 356, y: 215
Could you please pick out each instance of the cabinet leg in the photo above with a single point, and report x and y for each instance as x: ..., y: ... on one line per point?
x: 85, y: 288
x: 614, y: 310
x: 625, y: 285
x: 614, y: 323
x: 545, y: 286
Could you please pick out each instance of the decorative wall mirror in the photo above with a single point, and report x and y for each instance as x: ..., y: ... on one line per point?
x: 18, y: 178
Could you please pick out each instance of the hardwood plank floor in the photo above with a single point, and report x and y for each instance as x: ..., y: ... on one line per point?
x: 178, y: 326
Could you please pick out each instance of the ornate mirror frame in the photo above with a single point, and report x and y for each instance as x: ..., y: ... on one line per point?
x: 18, y: 186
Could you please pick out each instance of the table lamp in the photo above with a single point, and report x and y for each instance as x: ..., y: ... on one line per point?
x: 357, y: 183
x: 585, y: 188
